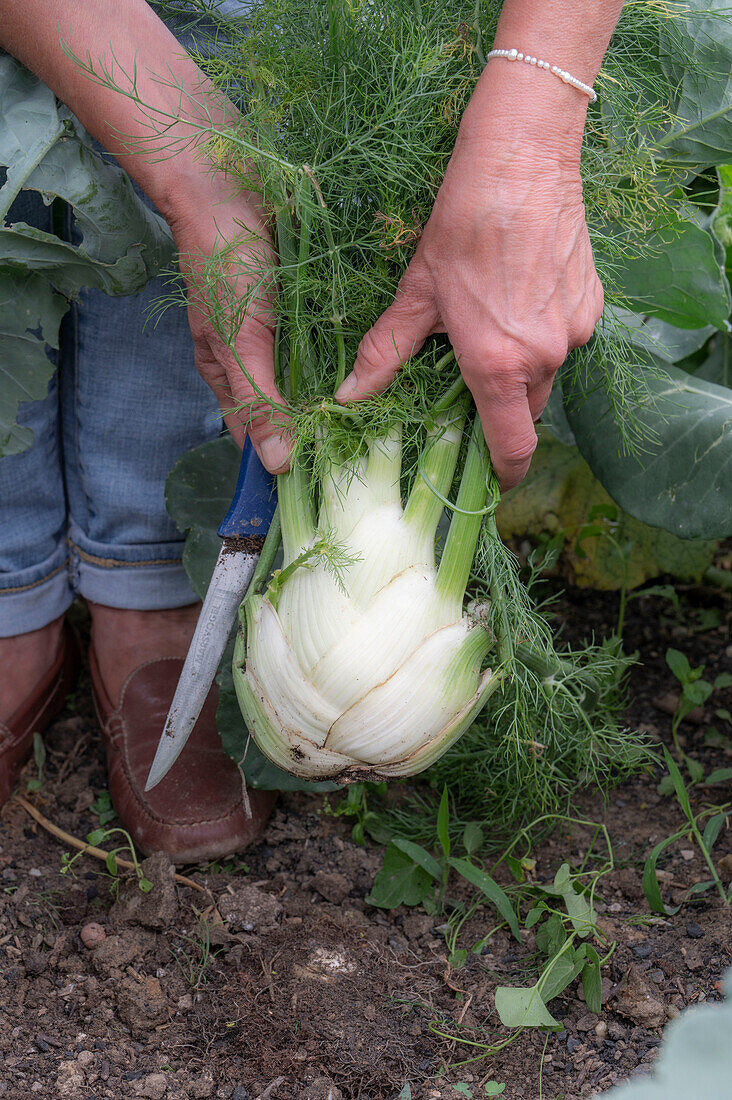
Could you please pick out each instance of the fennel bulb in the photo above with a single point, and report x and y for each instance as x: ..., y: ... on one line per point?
x: 369, y: 669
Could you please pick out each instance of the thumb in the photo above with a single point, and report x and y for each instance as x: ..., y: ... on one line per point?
x: 397, y: 335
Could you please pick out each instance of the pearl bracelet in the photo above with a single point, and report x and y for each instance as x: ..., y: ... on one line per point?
x: 565, y: 77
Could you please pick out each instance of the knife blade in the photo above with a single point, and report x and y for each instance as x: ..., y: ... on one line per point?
x: 243, y: 530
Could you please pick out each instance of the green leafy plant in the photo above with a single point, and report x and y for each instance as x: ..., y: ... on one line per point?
x: 713, y: 821
x: 346, y: 166
x: 194, y: 960
x: 102, y: 807
x: 695, y: 691
x: 99, y: 836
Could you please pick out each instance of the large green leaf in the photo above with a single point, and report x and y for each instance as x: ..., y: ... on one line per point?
x: 679, y: 278
x: 30, y: 125
x: 683, y: 481
x: 68, y: 267
x: 560, y: 494
x: 200, y: 486
x: 30, y: 315
x: 717, y: 367
x: 123, y: 243
x: 702, y: 133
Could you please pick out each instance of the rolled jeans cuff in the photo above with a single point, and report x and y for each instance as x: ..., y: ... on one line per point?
x: 139, y: 578
x: 36, y: 596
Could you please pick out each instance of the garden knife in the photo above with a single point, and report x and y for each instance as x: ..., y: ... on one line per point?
x: 242, y: 530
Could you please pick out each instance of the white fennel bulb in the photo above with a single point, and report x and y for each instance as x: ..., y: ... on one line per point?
x: 374, y: 669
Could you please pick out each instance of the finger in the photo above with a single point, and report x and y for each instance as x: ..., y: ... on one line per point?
x: 262, y: 411
x: 509, y: 431
x: 397, y: 335
x: 538, y: 395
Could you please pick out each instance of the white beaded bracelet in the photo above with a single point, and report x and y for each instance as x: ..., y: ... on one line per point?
x: 567, y: 78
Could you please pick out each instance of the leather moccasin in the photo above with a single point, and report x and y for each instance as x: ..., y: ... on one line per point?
x: 39, y: 709
x: 198, y: 811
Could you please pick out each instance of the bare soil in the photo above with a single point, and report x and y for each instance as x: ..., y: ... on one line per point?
x: 280, y: 982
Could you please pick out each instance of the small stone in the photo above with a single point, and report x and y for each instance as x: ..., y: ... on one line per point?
x: 601, y: 1030
x: 158, y: 908
x: 69, y: 1080
x: 141, y: 1005
x: 688, y: 854
x: 85, y: 1058
x: 586, y: 1023
x: 616, y: 907
x: 92, y: 935
x: 616, y: 1030
x: 322, y: 1088
x: 638, y: 1001
x: 201, y: 1087
x: 693, y: 959
x: 642, y: 950
x: 185, y: 1003
x: 35, y: 962
x: 37, y: 1086
x: 694, y: 931
x: 573, y: 1045
x: 332, y: 886
x: 152, y: 1087
x: 240, y: 1093
x: 658, y: 976
x: 34, y: 872
x: 249, y: 909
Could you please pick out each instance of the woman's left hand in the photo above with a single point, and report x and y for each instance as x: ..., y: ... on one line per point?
x: 504, y: 266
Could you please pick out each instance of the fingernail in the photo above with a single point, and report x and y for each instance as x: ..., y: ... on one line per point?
x: 347, y: 388
x: 274, y: 453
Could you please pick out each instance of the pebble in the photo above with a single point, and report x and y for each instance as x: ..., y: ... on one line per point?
x: 694, y: 931
x: 92, y: 935
x: 85, y: 1057
x: 601, y: 1029
x: 201, y: 1087
x: 152, y: 1087
x: 35, y: 873
x: 658, y: 976
x: 688, y: 854
x: 573, y: 1045
x: 240, y: 1093
x: 642, y: 950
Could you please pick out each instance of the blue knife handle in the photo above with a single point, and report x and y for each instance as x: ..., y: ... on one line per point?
x: 255, y: 498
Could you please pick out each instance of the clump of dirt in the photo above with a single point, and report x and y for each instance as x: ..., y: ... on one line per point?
x: 279, y: 981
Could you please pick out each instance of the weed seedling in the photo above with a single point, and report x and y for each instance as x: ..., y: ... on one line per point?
x: 39, y: 758
x: 97, y: 837
x: 715, y: 819
x: 103, y: 809
x: 193, y: 964
x: 694, y: 693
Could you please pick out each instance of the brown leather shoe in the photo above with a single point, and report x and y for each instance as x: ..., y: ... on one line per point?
x: 39, y: 709
x: 197, y: 812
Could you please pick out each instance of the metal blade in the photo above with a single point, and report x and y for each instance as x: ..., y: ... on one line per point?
x: 229, y: 582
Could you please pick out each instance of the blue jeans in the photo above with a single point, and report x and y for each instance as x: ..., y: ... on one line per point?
x: 82, y: 512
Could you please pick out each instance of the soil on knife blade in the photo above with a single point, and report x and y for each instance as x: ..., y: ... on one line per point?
x: 283, y: 983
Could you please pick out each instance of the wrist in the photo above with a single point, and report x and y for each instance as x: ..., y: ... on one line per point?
x: 525, y: 114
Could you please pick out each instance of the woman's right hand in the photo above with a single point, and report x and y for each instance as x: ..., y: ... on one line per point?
x: 224, y: 248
